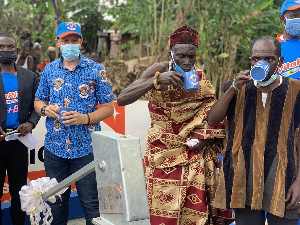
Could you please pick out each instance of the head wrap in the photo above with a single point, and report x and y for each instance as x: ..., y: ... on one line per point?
x: 51, y: 49
x: 184, y: 35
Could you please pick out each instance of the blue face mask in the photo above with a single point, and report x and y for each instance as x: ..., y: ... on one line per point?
x: 70, y: 51
x: 178, y: 68
x: 292, y: 26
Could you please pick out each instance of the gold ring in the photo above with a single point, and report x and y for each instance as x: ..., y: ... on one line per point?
x: 170, y: 87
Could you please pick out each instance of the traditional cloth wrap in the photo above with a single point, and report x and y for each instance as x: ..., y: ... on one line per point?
x: 184, y: 35
x: 32, y: 202
x: 180, y: 182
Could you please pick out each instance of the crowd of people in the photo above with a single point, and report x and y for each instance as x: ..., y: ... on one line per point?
x: 29, y: 57
x: 109, y: 45
x: 255, y: 125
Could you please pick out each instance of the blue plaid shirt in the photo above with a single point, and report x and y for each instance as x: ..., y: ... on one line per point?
x: 81, y: 89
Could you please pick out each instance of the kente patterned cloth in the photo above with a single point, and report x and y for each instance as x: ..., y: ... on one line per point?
x: 181, y: 183
x: 260, y: 161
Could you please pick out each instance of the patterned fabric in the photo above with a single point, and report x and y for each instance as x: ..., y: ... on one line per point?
x: 81, y: 89
x: 260, y: 162
x: 43, y: 64
x: 184, y: 35
x: 181, y: 182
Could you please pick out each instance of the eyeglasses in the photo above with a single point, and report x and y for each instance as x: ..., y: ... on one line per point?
x: 269, y: 59
x: 7, y: 47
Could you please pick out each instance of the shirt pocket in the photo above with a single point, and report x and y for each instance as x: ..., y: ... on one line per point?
x: 87, y: 98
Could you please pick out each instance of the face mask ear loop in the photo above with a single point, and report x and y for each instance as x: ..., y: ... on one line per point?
x: 286, y: 19
x: 276, y: 70
x: 172, y: 57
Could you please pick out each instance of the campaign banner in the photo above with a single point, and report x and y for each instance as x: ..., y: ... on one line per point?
x: 133, y: 120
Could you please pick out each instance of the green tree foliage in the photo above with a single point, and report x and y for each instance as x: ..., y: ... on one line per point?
x: 36, y: 16
x: 226, y: 32
x: 39, y: 17
x: 226, y: 28
x: 87, y: 13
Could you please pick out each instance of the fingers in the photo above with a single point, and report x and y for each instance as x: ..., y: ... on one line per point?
x: 73, y: 118
x: 288, y: 196
x: 201, y: 145
x: 294, y: 204
x: 244, y: 73
x: 171, y: 78
x: 24, y: 129
x: 242, y: 78
x: 294, y: 196
x: 52, y: 111
x: 2, y: 134
x: 1, y: 131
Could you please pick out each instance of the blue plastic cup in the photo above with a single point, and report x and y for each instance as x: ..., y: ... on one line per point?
x: 191, y: 81
x: 260, y: 70
x: 62, y: 111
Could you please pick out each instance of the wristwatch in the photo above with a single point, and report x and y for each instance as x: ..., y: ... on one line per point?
x: 43, y: 110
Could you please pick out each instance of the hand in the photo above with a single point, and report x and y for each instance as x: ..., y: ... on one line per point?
x: 2, y: 134
x: 293, y: 194
x: 52, y: 111
x: 171, y: 78
x: 242, y: 78
x: 198, y: 147
x: 74, y: 118
x: 24, y: 129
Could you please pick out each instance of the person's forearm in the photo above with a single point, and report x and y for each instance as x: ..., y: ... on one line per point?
x: 218, y: 111
x: 134, y: 91
x: 106, y: 110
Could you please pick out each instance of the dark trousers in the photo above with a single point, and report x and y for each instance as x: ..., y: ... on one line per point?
x: 14, y: 162
x: 61, y: 168
x: 247, y: 216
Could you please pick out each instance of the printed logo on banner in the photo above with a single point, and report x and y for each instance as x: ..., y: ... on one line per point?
x: 117, y: 120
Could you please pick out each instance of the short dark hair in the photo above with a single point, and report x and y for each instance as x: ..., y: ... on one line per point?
x: 270, y: 38
x: 8, y: 35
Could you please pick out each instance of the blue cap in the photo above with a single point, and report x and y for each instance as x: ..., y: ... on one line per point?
x: 68, y: 28
x: 289, y: 5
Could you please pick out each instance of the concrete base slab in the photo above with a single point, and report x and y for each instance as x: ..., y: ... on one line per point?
x: 117, y: 219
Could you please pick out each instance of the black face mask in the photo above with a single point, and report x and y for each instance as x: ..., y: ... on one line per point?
x: 7, y: 57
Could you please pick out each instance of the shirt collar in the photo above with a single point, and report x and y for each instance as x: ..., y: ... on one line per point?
x: 82, y: 62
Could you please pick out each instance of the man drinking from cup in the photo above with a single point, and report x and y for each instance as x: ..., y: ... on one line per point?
x: 261, y: 160
x: 179, y: 180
